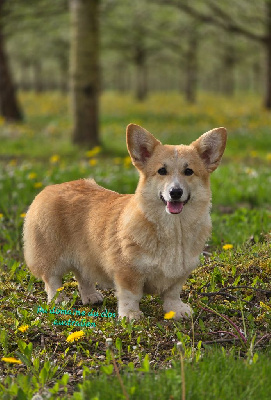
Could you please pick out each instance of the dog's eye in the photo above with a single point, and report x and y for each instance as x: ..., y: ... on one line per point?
x: 162, y: 171
x: 188, y: 172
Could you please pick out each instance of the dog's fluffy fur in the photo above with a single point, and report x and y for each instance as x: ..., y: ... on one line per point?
x: 147, y: 242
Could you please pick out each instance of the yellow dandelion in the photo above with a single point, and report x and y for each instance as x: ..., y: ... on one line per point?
x: 32, y: 175
x: 93, y: 162
x: 23, y: 328
x: 60, y: 289
x: 93, y: 152
x: 127, y: 162
x: 268, y: 156
x: 11, y: 360
x: 71, y: 284
x: 54, y: 159
x: 1, y: 215
x: 38, y: 185
x: 227, y: 247
x: 75, y: 336
x: 170, y: 315
x: 265, y: 306
x: 23, y: 215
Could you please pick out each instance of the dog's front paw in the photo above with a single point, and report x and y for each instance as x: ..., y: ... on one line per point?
x: 91, y: 298
x: 181, y: 309
x: 184, y: 311
x: 131, y: 315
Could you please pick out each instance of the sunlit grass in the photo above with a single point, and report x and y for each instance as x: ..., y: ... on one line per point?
x: 48, y: 123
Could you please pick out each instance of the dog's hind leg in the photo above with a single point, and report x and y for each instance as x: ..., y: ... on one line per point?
x: 87, y: 290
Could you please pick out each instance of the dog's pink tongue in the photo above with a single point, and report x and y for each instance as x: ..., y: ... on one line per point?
x: 174, y: 207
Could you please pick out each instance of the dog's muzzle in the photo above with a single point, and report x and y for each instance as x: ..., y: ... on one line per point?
x: 175, y: 206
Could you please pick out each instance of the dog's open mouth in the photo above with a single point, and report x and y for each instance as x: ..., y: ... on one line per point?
x: 174, y: 207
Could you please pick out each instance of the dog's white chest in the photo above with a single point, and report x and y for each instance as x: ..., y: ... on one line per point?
x: 165, y: 253
x: 174, y: 251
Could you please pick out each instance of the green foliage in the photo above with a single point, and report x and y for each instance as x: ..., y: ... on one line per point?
x: 23, y: 387
x: 217, y: 375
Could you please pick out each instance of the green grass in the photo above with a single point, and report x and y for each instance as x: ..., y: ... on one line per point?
x: 216, y: 376
x: 230, y: 292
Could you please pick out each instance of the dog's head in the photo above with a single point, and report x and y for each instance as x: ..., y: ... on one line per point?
x: 175, y: 175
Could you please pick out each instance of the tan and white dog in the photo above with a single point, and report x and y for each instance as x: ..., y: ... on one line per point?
x: 147, y: 242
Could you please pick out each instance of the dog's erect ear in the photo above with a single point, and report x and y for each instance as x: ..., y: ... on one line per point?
x: 211, y: 146
x: 140, y: 144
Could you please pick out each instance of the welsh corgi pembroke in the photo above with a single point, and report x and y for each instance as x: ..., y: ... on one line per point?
x: 147, y: 242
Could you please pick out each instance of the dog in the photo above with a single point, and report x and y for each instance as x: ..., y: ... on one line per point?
x: 147, y: 242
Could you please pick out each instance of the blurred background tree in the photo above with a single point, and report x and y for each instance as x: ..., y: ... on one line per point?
x: 139, y: 46
x: 243, y: 18
x: 9, y: 107
x: 85, y: 70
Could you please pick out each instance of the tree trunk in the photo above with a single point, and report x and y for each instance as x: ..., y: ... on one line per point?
x: 267, y: 44
x: 37, y: 72
x: 229, y: 62
x: 141, y: 74
x: 63, y: 79
x: 9, y: 107
x: 85, y: 71
x: 191, y: 72
x: 256, y: 77
x: 25, y: 79
x: 122, y: 78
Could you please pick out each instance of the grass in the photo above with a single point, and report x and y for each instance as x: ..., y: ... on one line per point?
x: 230, y: 293
x: 217, y: 376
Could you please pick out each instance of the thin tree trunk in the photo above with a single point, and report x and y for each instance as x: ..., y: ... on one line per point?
x: 24, y: 81
x: 9, y: 107
x: 85, y: 71
x: 256, y: 77
x: 38, y: 82
x: 141, y: 74
x: 229, y: 62
x: 192, y: 68
x: 63, y: 79
x: 121, y: 78
x: 268, y: 55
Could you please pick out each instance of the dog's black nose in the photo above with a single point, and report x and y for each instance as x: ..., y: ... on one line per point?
x: 176, y: 193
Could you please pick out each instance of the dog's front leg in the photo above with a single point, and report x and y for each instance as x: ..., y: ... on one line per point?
x: 172, y: 301
x: 129, y: 286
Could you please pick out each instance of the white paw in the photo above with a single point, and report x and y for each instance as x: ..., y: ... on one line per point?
x: 181, y: 309
x: 92, y: 298
x: 130, y: 315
